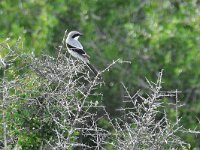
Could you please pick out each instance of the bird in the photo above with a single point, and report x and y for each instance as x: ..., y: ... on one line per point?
x: 75, y: 48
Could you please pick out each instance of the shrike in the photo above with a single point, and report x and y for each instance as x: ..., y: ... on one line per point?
x: 75, y: 48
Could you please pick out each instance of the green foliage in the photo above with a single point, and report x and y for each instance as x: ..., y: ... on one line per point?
x: 153, y: 35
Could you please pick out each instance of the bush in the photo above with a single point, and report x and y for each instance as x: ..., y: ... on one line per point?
x: 56, y: 103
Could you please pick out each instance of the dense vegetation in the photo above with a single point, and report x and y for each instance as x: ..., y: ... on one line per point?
x: 152, y: 35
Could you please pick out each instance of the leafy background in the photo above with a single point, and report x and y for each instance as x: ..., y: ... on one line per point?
x: 153, y: 35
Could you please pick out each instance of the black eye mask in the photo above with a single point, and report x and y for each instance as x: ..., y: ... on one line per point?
x: 75, y: 35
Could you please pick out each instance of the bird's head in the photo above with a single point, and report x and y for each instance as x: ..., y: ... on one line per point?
x: 74, y: 35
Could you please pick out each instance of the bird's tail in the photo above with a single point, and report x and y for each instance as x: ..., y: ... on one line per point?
x: 92, y: 68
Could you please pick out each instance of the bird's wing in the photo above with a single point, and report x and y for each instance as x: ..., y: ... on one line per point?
x: 77, y: 50
x: 76, y: 44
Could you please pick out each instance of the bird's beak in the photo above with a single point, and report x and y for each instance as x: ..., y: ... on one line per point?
x: 81, y: 34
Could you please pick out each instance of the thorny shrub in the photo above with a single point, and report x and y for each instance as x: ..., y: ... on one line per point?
x: 53, y: 103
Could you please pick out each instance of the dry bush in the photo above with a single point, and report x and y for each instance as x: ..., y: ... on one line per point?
x: 146, y: 123
x: 54, y: 102
x: 68, y: 87
x: 54, y: 98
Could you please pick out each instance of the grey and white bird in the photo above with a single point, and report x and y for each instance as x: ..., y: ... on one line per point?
x: 75, y: 48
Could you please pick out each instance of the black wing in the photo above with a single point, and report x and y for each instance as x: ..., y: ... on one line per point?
x: 77, y: 50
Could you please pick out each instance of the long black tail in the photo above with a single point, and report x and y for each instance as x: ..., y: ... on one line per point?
x: 93, y: 69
